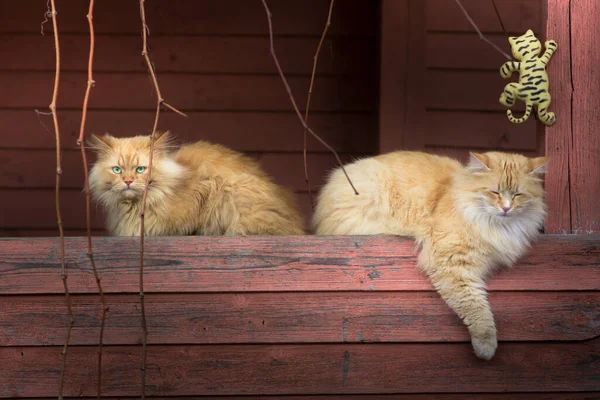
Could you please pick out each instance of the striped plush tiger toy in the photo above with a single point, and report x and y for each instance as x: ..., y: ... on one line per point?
x: 532, y: 87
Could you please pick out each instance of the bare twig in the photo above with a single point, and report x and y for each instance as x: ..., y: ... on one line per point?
x: 499, y: 17
x: 80, y: 143
x: 481, y: 36
x: 310, y: 88
x: 63, y: 269
x: 159, y: 102
x: 289, y: 91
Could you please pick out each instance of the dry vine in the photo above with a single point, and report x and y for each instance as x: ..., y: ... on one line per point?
x: 63, y: 268
x: 160, y: 102
x: 481, y: 36
x: 310, y: 88
x: 293, y: 101
x: 80, y: 143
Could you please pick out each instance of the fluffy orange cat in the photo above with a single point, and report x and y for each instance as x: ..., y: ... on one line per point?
x: 466, y: 219
x: 199, y: 189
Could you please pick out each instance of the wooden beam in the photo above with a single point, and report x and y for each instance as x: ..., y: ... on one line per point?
x: 559, y: 136
x: 402, y: 75
x: 275, y: 264
x: 584, y: 160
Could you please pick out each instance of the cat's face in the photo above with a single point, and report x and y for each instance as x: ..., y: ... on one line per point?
x: 506, y: 186
x: 121, y: 170
x: 525, y: 46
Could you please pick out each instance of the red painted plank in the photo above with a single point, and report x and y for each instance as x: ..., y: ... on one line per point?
x: 12, y: 233
x: 200, y: 17
x: 304, y: 369
x: 188, y: 92
x: 244, y: 131
x: 559, y: 137
x: 475, y: 130
x: 467, y: 90
x: 294, y: 318
x: 584, y: 158
x: 517, y: 15
x: 294, y: 263
x: 195, y: 54
x: 412, y: 396
x: 17, y: 171
x: 468, y: 51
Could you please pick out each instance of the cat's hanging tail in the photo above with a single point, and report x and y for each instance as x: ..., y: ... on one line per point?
x: 524, y: 118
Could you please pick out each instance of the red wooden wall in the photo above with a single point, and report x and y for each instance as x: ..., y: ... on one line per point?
x: 290, y: 316
x: 213, y: 62
x: 450, y: 96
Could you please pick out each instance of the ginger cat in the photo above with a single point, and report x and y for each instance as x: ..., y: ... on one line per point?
x: 466, y: 220
x: 200, y: 189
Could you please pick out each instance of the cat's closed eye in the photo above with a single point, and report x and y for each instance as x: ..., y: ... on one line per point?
x: 494, y: 192
x: 517, y: 194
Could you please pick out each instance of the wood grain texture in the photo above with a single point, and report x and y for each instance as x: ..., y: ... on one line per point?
x: 559, y: 137
x: 476, y: 130
x: 254, y: 264
x: 195, y: 54
x: 200, y: 92
x: 584, y: 158
x: 465, y: 51
x: 467, y: 90
x: 244, y: 131
x: 517, y: 15
x: 393, y: 69
x: 305, y: 369
x: 412, y: 396
x: 201, y: 17
x: 224, y: 318
x: 17, y: 171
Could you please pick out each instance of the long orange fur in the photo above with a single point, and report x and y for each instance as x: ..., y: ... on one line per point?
x: 199, y: 189
x: 466, y: 220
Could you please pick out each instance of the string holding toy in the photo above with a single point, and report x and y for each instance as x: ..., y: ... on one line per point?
x: 533, y: 85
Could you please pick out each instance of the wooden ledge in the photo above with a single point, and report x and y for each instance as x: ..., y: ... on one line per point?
x: 275, y: 264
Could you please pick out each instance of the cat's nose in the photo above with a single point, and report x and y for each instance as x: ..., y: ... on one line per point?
x: 128, y: 183
x: 506, y: 208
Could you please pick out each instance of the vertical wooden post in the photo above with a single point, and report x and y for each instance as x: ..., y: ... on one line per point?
x: 402, y: 72
x: 573, y: 178
x: 584, y: 160
x: 558, y: 137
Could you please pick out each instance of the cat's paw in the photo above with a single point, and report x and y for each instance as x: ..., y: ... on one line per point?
x: 505, y: 71
x: 550, y: 43
x: 485, y: 348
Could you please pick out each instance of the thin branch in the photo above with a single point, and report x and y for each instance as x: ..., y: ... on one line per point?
x: 159, y: 102
x: 310, y: 88
x: 80, y: 143
x: 63, y: 269
x: 289, y: 91
x: 481, y: 36
x: 499, y: 17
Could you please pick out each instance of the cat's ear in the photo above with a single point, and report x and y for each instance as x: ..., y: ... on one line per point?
x: 101, y: 143
x: 478, y: 162
x: 163, y: 141
x: 529, y: 32
x: 538, y: 165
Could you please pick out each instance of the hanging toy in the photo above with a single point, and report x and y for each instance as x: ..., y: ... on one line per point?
x: 533, y: 84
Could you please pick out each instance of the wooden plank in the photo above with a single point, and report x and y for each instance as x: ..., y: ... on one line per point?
x: 304, y: 369
x: 467, y: 90
x: 393, y: 69
x: 291, y: 263
x: 206, y: 17
x: 415, y: 124
x: 478, y: 130
x: 412, y: 396
x: 465, y: 50
x: 559, y: 137
x: 195, y: 54
x: 294, y: 318
x: 48, y: 232
x: 244, y: 131
x: 188, y: 92
x: 584, y: 158
x: 16, y: 170
x: 517, y: 15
